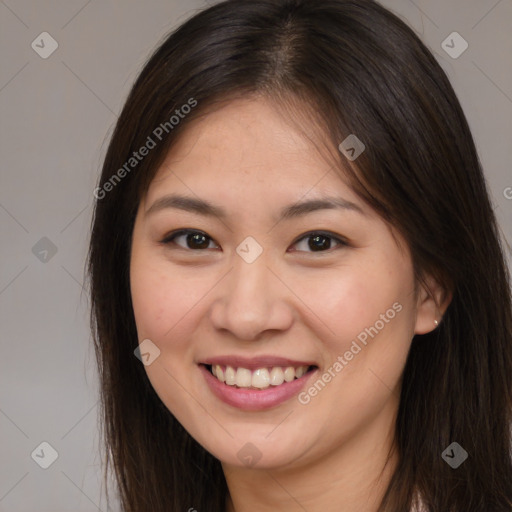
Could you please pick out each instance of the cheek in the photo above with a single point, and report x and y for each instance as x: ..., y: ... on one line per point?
x: 350, y: 299
x: 163, y: 298
x: 373, y: 310
x: 163, y: 305
x: 369, y: 311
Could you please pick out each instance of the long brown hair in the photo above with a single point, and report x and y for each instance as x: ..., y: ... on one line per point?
x: 362, y: 71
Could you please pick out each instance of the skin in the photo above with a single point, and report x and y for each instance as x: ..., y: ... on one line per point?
x: 292, y: 301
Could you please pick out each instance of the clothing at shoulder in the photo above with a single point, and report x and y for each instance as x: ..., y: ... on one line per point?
x: 419, y: 508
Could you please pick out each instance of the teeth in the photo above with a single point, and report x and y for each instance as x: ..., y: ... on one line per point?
x: 230, y: 376
x: 218, y: 372
x: 261, y: 378
x: 243, y: 378
x: 276, y: 376
x: 289, y: 374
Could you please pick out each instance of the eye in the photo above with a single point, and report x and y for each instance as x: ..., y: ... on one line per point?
x: 315, y: 241
x: 319, y: 241
x: 192, y: 239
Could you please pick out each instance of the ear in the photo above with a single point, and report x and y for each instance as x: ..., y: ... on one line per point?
x: 432, y: 302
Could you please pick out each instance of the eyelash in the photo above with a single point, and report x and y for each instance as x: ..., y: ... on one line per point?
x: 169, y: 239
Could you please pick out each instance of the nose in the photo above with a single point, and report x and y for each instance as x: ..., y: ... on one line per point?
x: 251, y: 300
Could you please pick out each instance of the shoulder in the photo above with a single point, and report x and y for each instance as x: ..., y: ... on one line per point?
x: 418, y: 506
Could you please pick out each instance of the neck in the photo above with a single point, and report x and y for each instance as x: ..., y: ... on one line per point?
x: 351, y: 477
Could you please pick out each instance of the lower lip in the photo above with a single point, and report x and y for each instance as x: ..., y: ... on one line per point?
x: 252, y: 399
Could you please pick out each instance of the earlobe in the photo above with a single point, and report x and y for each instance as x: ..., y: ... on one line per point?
x: 433, y: 300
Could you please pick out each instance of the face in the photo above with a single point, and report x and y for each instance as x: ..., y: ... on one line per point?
x: 307, y: 311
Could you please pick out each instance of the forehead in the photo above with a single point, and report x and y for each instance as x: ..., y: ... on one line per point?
x: 250, y: 142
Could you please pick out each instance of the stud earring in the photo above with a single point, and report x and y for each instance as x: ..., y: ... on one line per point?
x: 436, y: 323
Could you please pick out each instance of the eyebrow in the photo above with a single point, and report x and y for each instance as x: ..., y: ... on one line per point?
x: 202, y: 207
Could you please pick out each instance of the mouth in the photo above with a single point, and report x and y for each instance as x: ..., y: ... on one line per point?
x: 258, y: 378
x: 258, y: 383
x: 251, y: 385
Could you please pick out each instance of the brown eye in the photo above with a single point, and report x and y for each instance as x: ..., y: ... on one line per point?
x: 315, y: 241
x: 318, y: 241
x: 194, y: 240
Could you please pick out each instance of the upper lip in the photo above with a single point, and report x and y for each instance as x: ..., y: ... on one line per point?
x: 253, y: 363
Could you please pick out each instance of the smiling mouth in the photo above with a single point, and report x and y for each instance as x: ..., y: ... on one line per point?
x: 260, y: 378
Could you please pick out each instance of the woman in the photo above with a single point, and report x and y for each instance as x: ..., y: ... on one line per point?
x: 299, y: 297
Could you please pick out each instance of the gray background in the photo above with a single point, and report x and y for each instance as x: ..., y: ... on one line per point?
x: 56, y: 116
